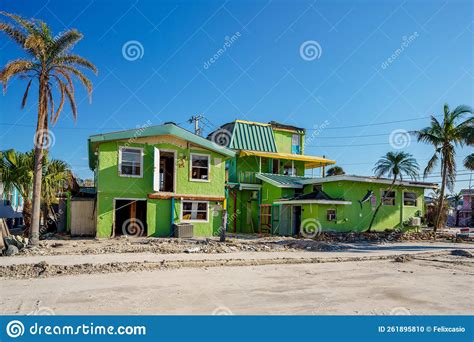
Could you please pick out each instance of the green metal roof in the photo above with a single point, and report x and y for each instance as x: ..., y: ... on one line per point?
x: 166, y: 129
x: 252, y: 136
x: 282, y: 181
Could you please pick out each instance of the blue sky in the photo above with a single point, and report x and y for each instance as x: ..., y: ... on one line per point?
x: 375, y: 62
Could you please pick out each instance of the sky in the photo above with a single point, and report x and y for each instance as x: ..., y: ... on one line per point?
x: 356, y: 75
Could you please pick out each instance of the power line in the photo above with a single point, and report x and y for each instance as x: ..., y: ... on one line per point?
x: 369, y: 124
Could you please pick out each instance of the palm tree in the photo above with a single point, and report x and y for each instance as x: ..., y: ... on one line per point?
x: 50, y: 64
x: 395, y: 165
x: 16, y: 171
x: 457, y: 200
x: 469, y: 162
x: 335, y: 171
x: 445, y: 136
x: 57, y: 177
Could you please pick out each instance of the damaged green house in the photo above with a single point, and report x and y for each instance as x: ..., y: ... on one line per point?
x: 149, y: 178
x: 270, y: 192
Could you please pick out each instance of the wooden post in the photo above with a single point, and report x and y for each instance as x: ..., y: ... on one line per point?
x: 224, y: 226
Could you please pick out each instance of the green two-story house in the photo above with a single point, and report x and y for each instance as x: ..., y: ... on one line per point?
x: 272, y: 188
x: 149, y: 178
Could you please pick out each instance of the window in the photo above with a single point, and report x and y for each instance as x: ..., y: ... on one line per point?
x: 409, y: 199
x: 388, y: 197
x: 331, y: 214
x: 194, y: 211
x: 200, y: 167
x: 295, y: 144
x: 131, y: 162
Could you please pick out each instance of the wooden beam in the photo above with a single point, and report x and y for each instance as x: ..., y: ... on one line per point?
x: 164, y: 195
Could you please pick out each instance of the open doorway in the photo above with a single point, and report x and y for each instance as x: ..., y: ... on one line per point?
x: 296, y: 219
x: 167, y: 171
x: 130, y: 217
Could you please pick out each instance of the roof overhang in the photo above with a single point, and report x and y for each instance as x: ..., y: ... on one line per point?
x: 368, y: 180
x: 313, y: 201
x: 166, y: 129
x: 293, y: 185
x: 310, y: 162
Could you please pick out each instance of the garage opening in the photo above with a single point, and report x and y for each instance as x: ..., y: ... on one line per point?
x: 166, y: 171
x: 130, y: 218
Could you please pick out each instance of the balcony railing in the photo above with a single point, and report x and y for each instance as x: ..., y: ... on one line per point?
x: 247, y: 177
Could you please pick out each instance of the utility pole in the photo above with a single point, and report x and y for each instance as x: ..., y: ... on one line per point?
x: 195, y: 119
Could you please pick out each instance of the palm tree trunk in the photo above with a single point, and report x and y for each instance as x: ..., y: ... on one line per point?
x: 441, y: 198
x: 380, y: 204
x: 38, y: 167
x: 27, y: 212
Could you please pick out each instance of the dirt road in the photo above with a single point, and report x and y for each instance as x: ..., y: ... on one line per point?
x: 427, y: 284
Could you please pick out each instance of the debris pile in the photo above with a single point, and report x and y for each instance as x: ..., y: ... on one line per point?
x: 462, y: 253
x: 385, y: 236
x: 403, y: 258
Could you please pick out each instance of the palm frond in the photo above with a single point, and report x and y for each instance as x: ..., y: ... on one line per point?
x: 13, y: 68
x: 25, y: 95
x: 469, y: 162
x: 65, y: 42
x: 75, y: 60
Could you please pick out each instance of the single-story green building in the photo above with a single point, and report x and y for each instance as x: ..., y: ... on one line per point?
x: 339, y: 203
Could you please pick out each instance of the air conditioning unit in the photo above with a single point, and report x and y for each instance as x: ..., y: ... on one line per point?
x: 183, y: 230
x: 415, y: 221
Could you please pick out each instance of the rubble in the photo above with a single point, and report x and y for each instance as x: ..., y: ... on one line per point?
x: 403, y: 258
x: 63, y: 244
x: 462, y: 253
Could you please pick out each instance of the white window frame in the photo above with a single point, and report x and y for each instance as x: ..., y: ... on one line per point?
x: 416, y: 199
x: 121, y: 148
x: 191, y: 167
x: 194, y: 201
x: 298, y: 138
x: 394, y: 198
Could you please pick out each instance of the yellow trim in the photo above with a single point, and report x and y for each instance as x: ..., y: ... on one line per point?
x: 310, y: 162
x: 252, y: 123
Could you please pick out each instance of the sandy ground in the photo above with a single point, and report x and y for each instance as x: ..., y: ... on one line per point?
x: 365, y: 280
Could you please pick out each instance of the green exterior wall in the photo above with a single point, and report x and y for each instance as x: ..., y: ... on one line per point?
x: 111, y: 185
x: 353, y: 218
x: 283, y: 141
